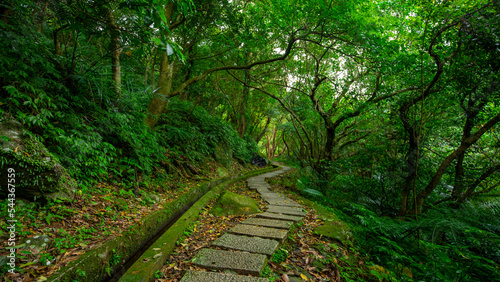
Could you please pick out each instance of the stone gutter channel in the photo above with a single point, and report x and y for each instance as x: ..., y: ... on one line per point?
x: 159, y: 230
x: 248, y: 245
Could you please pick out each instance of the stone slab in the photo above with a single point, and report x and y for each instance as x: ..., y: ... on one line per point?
x: 286, y: 210
x: 249, y: 244
x: 259, y: 231
x: 257, y: 186
x: 268, y: 222
x: 263, y: 190
x: 257, y: 180
x: 274, y: 198
x: 204, y: 276
x: 279, y: 216
x: 279, y: 202
x: 271, y: 193
x: 242, y: 263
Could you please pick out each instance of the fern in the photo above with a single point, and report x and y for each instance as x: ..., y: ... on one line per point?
x: 445, y: 243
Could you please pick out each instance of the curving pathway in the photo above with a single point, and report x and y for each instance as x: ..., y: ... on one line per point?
x: 249, y: 244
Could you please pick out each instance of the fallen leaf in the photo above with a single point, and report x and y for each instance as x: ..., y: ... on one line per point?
x: 285, y: 278
x: 303, y: 277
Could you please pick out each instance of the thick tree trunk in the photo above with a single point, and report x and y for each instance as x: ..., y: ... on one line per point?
x: 412, y: 161
x: 459, y: 168
x: 160, y: 97
x: 115, y: 54
x: 330, y: 142
x: 242, y: 123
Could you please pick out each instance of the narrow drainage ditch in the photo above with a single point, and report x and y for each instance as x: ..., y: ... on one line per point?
x: 119, y: 272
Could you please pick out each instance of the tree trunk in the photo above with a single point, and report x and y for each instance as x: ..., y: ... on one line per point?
x: 330, y: 139
x: 412, y: 160
x: 115, y: 54
x: 160, y: 97
x: 242, y: 124
x: 263, y: 132
x: 471, y: 113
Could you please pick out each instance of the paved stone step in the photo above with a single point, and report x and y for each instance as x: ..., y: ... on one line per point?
x: 279, y: 216
x: 279, y: 202
x: 204, y: 276
x: 271, y: 194
x: 256, y: 180
x: 249, y: 244
x: 258, y: 186
x: 286, y: 210
x: 263, y: 190
x: 268, y: 222
x: 242, y: 263
x: 268, y: 197
x: 259, y: 231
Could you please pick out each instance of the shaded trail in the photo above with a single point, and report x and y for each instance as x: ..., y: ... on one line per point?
x: 250, y: 243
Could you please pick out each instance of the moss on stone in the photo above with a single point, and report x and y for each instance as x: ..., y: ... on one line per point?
x: 94, y: 262
x: 230, y: 203
x: 38, y: 172
x: 333, y: 227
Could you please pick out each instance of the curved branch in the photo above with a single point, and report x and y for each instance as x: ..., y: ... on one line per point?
x: 282, y: 104
x: 185, y: 84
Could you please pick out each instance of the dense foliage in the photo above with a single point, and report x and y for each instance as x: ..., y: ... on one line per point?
x: 390, y: 109
x: 63, y: 93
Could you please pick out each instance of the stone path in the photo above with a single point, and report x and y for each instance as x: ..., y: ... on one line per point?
x: 249, y: 244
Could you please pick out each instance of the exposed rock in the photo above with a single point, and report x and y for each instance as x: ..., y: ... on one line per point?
x: 37, y: 244
x: 334, y: 230
x: 37, y: 172
x: 234, y: 204
x: 259, y: 161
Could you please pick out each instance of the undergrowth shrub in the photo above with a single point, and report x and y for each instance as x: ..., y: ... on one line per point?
x: 192, y: 131
x: 444, y: 244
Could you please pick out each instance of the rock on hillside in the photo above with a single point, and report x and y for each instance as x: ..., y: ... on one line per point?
x: 37, y: 172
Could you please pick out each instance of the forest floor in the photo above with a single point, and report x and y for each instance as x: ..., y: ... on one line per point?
x: 89, y: 220
x: 304, y: 256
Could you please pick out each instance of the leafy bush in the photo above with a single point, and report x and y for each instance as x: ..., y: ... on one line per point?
x: 192, y: 131
x: 443, y: 244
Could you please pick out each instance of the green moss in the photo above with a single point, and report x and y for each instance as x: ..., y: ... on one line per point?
x: 94, y: 262
x: 37, y: 170
x: 234, y: 204
x: 333, y: 227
